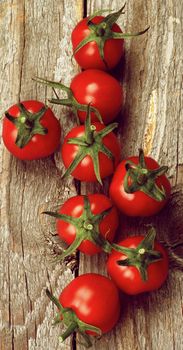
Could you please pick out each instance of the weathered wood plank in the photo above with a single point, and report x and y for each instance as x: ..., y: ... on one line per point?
x: 34, y: 40
x: 152, y: 118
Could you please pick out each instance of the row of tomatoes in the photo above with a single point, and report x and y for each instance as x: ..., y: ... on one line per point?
x: 90, y: 304
x: 90, y: 152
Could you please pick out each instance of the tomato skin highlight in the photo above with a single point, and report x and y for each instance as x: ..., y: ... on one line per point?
x: 99, y: 89
x: 74, y: 207
x: 128, y: 278
x: 39, y: 146
x: 95, y: 300
x: 85, y: 170
x: 137, y: 203
x: 88, y: 56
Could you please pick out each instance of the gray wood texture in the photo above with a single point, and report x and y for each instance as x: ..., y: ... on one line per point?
x: 35, y: 41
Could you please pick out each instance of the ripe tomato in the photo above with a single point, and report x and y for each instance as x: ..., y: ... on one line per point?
x: 94, y: 305
x: 149, y: 193
x: 89, y: 56
x: 128, y: 278
x: 86, y: 222
x: 30, y: 130
x: 98, y: 41
x: 97, y: 88
x: 100, y: 90
x: 91, y: 154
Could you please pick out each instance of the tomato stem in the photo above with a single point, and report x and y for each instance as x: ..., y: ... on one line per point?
x: 103, y: 31
x: 72, y: 327
x: 54, y: 300
x: 139, y: 178
x: 142, y: 256
x: 90, y: 144
x: 142, y: 251
x: 86, y: 228
x: 72, y: 322
x: 27, y: 124
x: 70, y: 101
x: 89, y: 129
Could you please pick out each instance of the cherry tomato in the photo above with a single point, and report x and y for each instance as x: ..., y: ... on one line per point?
x: 39, y: 145
x: 84, y: 171
x: 88, y: 56
x: 94, y: 299
x: 128, y: 278
x: 93, y: 222
x: 139, y: 203
x: 100, y: 90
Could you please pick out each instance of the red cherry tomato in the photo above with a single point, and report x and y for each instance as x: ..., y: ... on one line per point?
x: 128, y: 278
x: 99, y: 89
x: 105, y: 226
x: 39, y: 145
x: 137, y: 203
x: 94, y: 299
x: 88, y: 56
x: 85, y: 169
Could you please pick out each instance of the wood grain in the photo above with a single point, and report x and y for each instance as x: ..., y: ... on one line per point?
x: 32, y: 36
x: 35, y: 41
x: 151, y: 74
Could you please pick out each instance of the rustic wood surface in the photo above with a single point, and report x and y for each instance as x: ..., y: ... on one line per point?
x: 35, y: 40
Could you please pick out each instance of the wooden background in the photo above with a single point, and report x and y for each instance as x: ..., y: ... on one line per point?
x: 35, y: 40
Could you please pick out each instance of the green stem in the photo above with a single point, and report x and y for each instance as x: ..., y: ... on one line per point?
x: 102, y: 31
x: 139, y: 178
x: 27, y: 124
x: 141, y: 256
x: 89, y: 129
x: 70, y: 101
x: 54, y: 300
x: 86, y: 228
x: 72, y: 327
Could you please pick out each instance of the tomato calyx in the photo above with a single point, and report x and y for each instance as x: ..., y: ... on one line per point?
x: 70, y: 101
x: 87, y: 228
x: 72, y: 322
x: 90, y: 144
x: 139, y: 178
x: 142, y: 256
x: 103, y: 31
x: 28, y: 124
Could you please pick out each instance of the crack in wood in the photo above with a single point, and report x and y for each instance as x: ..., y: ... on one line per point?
x: 23, y: 49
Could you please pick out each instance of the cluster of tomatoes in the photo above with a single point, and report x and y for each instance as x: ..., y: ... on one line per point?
x: 91, y: 152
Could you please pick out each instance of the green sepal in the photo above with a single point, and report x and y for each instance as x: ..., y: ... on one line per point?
x: 70, y: 101
x: 27, y: 124
x: 54, y: 300
x: 129, y: 35
x: 90, y: 144
x: 86, y: 227
x: 103, y: 31
x: 72, y: 322
x: 143, y: 179
x: 96, y: 165
x: 82, y: 153
x: 109, y: 128
x: 97, y: 13
x: 53, y: 84
x: 142, y: 256
x: 113, y: 17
